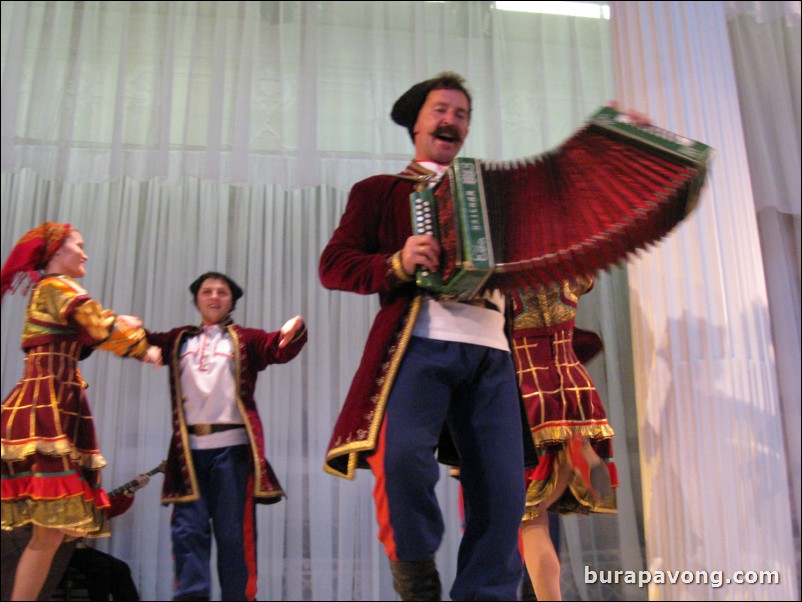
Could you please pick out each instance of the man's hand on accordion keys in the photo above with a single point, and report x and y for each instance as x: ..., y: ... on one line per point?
x: 420, y: 250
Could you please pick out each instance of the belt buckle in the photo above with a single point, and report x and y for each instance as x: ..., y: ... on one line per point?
x: 202, y: 429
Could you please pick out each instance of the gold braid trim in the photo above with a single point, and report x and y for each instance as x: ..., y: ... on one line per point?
x: 563, y: 433
x: 90, y: 461
x: 97, y: 321
x: 73, y: 513
x: 417, y: 173
x: 384, y: 383
x: 102, y: 326
x: 126, y: 342
x: 577, y: 498
x: 398, y: 268
x: 15, y: 452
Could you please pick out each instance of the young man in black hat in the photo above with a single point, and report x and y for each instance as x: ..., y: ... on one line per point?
x: 435, y: 375
x: 216, y: 466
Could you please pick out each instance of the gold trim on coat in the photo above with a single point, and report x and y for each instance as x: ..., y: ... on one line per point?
x: 386, y: 381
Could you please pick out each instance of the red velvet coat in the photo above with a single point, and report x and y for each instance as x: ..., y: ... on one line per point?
x: 363, y: 256
x: 254, y: 350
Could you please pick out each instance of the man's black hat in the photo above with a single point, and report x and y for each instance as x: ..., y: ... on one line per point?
x: 236, y: 291
x: 406, y: 108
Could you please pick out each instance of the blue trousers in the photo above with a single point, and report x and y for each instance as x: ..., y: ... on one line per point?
x: 472, y: 389
x: 225, y: 508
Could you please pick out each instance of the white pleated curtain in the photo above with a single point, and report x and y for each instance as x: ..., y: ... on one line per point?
x: 186, y: 136
x: 766, y: 40
x: 715, y: 308
x: 286, y: 93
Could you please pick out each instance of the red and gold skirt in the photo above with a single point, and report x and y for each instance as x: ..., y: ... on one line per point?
x: 50, y: 458
x: 562, y: 406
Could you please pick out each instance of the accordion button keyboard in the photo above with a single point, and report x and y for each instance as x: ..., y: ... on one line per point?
x: 424, y: 221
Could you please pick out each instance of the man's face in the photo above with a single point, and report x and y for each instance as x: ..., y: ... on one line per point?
x: 442, y: 126
x: 214, y: 300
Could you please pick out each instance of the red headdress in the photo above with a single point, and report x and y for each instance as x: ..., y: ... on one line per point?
x: 31, y: 254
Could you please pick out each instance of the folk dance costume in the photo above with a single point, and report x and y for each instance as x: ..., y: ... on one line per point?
x: 51, y: 461
x: 429, y: 377
x: 216, y: 465
x: 562, y: 403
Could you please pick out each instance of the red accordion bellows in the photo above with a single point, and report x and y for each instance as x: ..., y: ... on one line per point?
x: 588, y: 204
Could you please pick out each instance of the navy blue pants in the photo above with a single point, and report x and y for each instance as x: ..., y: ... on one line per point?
x: 474, y: 390
x: 225, y: 508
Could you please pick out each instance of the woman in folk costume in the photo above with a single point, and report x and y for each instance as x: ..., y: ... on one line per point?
x: 575, y: 472
x: 50, y: 458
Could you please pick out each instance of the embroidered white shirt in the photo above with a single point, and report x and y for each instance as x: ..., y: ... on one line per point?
x: 207, y: 382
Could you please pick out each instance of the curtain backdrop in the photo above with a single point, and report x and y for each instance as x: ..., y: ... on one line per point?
x: 186, y: 136
x: 765, y: 38
x: 714, y: 426
x: 287, y: 93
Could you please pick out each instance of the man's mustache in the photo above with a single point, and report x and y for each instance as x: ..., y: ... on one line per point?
x: 447, y: 131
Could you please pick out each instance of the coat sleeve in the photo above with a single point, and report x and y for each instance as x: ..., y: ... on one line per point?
x: 164, y: 341
x: 100, y: 329
x: 263, y: 348
x: 357, y: 258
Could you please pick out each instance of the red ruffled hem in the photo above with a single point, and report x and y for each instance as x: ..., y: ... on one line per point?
x: 49, y: 487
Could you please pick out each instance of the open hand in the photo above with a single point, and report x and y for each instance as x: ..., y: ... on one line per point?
x: 289, y: 330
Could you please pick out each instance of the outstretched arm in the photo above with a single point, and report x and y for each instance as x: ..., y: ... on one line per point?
x: 153, y: 354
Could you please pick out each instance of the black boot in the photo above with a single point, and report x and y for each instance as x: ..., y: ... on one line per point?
x: 417, y: 580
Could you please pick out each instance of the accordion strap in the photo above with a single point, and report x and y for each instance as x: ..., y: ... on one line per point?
x: 417, y: 173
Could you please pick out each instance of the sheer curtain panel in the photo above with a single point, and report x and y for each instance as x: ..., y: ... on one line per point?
x: 765, y: 38
x: 713, y: 455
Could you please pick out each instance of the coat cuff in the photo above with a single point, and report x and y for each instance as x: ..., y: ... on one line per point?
x: 398, y: 269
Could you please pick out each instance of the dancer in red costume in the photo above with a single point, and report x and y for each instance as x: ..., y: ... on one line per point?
x: 575, y: 472
x: 50, y: 458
